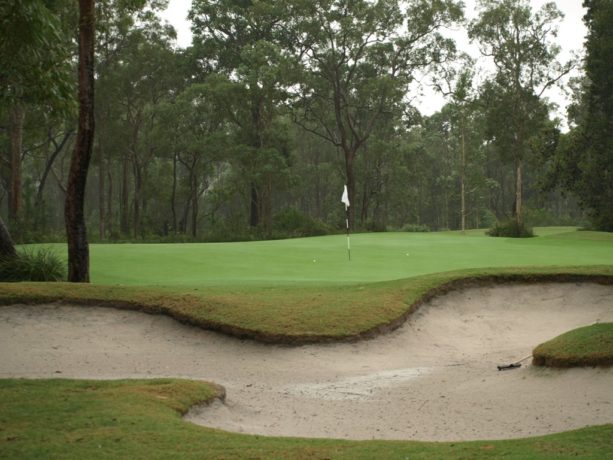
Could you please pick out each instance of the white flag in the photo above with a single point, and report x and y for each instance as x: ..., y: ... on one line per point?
x: 345, y: 198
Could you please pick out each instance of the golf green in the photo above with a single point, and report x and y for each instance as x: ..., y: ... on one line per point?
x: 324, y: 260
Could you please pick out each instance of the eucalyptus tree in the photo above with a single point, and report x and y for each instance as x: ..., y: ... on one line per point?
x: 133, y: 81
x: 246, y: 42
x: 121, y: 26
x: 358, y: 58
x: 585, y: 159
x: 191, y: 130
x: 520, y: 43
x: 35, y: 51
x: 456, y: 84
x: 76, y: 232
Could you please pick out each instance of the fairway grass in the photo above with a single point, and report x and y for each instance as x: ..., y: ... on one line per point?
x: 137, y: 419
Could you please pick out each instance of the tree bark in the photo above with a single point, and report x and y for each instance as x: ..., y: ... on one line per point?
x: 138, y: 187
x: 101, y: 193
x: 194, y: 190
x: 49, y: 165
x: 109, y: 210
x: 462, y: 182
x: 518, y: 194
x: 349, y: 158
x: 16, y: 121
x: 76, y: 232
x: 173, y: 197
x: 254, y: 215
x: 124, y: 224
x: 7, y: 247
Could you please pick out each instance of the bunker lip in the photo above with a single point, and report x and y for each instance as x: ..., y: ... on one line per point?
x: 433, y: 378
x: 456, y: 283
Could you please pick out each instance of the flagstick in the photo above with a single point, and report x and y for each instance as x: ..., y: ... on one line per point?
x: 345, y: 201
x: 347, y: 223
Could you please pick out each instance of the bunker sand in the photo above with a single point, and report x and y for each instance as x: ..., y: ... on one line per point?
x: 434, y: 378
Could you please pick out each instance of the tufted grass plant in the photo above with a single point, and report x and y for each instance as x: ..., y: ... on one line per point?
x: 33, y: 264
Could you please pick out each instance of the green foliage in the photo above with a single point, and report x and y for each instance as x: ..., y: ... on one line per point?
x: 40, y: 264
x: 585, y: 346
x: 512, y: 229
x: 292, y: 223
x: 584, y: 161
x: 415, y: 228
x: 35, y: 51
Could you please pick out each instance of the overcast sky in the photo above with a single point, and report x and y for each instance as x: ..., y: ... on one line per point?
x: 571, y: 36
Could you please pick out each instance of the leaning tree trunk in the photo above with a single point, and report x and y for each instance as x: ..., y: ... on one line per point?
x: 7, y: 248
x: 16, y: 118
x: 78, y: 249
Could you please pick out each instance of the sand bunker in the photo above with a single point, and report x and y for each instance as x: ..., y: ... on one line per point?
x: 435, y: 378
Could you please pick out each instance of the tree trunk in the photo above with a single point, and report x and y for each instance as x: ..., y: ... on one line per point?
x: 349, y: 158
x: 101, y: 193
x: 16, y: 121
x: 266, y: 205
x: 518, y: 195
x: 49, y: 165
x: 173, y: 197
x: 462, y: 183
x: 254, y: 215
x: 124, y: 224
x: 76, y: 232
x: 194, y: 187
x: 138, y: 187
x: 109, y: 210
x: 7, y: 247
x: 365, y: 204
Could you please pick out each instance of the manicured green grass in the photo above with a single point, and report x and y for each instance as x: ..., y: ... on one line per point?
x: 141, y: 420
x: 585, y: 346
x: 301, y: 290
x: 323, y: 260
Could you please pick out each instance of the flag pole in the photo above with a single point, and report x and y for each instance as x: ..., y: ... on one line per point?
x: 348, y: 240
x: 345, y: 201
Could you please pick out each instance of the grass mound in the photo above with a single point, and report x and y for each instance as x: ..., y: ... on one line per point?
x: 585, y: 346
x: 41, y: 264
x: 293, y: 314
x: 134, y: 419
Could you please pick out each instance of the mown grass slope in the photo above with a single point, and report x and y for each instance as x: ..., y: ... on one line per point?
x: 141, y: 420
x: 292, y: 314
x: 582, y: 347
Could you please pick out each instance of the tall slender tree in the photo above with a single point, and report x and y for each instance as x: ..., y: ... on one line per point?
x: 521, y: 45
x: 358, y: 59
x: 76, y: 231
x: 585, y: 159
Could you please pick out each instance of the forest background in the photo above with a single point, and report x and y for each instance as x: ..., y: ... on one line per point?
x: 252, y: 130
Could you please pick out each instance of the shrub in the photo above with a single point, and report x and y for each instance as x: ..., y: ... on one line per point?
x: 292, y: 223
x: 511, y: 229
x: 374, y: 226
x: 33, y: 265
x: 415, y: 228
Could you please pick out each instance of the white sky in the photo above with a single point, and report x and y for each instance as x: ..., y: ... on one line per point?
x: 570, y: 37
